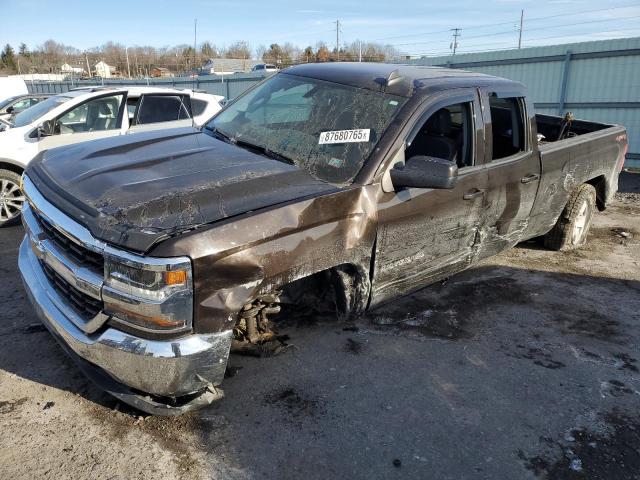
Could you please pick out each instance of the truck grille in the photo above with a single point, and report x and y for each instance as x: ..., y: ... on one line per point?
x: 84, y: 305
x: 81, y: 255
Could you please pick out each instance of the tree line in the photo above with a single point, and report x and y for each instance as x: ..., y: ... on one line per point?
x: 51, y: 55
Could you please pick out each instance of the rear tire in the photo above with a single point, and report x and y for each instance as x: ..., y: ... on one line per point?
x: 572, y: 227
x: 11, y: 198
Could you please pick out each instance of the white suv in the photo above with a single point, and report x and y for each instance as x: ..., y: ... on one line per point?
x: 89, y: 113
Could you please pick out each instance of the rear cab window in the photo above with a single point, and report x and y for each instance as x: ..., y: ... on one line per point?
x: 508, y: 122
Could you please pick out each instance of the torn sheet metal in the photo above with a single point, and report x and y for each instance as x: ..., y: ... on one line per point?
x: 236, y: 261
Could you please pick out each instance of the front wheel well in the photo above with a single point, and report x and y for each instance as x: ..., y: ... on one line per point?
x: 4, y: 165
x: 343, y: 289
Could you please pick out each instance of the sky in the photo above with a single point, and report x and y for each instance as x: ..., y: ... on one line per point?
x: 415, y: 27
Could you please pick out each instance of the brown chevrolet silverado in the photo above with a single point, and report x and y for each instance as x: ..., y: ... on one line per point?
x: 149, y: 257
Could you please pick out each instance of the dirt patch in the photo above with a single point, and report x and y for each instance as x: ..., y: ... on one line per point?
x: 626, y: 362
x: 616, y: 388
x: 353, y: 347
x: 452, y: 310
x: 172, y: 433
x: 589, y: 454
x: 539, y: 356
x: 295, y: 404
x: 8, y: 406
x: 587, y: 322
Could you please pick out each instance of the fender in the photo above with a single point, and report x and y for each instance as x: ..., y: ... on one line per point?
x: 242, y: 258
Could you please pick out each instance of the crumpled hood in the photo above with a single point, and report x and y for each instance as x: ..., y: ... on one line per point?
x: 134, y: 190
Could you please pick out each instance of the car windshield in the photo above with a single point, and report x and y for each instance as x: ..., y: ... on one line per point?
x: 326, y: 128
x: 39, y: 109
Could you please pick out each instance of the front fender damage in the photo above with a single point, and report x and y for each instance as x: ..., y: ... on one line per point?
x: 241, y: 265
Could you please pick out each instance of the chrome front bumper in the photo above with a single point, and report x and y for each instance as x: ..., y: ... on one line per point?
x: 165, y: 368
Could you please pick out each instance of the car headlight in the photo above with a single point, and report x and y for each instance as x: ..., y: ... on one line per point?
x: 150, y: 294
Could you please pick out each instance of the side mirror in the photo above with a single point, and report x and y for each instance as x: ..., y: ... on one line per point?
x: 10, y: 109
x: 425, y: 172
x: 45, y: 129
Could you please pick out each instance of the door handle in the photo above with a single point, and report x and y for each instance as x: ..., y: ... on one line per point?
x: 471, y: 194
x: 530, y: 178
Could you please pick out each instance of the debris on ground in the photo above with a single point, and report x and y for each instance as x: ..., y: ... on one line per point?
x: 34, y: 328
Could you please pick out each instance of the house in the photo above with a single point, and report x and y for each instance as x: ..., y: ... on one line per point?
x: 226, y: 66
x: 103, y: 70
x: 160, y: 72
x: 67, y: 69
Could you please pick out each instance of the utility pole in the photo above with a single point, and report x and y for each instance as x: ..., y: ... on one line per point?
x: 338, y: 40
x: 454, y: 43
x: 126, y: 52
x: 360, y: 51
x: 521, y: 25
x: 195, y: 37
x: 86, y: 57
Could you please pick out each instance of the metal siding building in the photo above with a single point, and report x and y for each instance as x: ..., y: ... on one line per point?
x: 597, y: 81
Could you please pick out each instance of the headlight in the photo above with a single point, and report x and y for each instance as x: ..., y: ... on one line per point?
x: 151, y: 294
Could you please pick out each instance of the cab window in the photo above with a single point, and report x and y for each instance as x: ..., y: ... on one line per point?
x: 507, y: 126
x: 446, y: 134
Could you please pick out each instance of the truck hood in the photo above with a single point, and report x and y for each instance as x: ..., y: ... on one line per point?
x: 135, y: 190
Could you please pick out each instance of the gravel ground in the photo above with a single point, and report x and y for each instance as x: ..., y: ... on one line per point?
x: 526, y: 366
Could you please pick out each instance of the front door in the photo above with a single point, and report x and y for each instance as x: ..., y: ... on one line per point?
x: 98, y: 117
x: 427, y: 234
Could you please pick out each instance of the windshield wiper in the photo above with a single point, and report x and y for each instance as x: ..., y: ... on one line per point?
x: 249, y: 146
x: 221, y: 135
x: 264, y: 151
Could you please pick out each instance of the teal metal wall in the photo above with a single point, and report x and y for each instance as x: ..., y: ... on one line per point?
x: 597, y: 81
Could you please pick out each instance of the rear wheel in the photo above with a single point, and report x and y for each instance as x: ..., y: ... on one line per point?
x: 11, y: 198
x: 572, y: 228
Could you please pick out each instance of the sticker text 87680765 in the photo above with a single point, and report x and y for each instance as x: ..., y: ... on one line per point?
x: 344, y: 136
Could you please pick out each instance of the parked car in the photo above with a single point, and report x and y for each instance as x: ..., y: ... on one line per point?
x: 16, y: 104
x: 89, y: 113
x: 264, y: 67
x: 326, y: 186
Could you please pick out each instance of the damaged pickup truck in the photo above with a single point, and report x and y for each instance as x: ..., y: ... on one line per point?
x: 148, y: 257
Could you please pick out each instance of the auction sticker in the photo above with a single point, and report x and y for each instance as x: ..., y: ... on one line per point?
x: 344, y: 136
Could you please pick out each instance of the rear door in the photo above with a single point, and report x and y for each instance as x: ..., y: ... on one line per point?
x: 161, y: 110
x: 513, y: 168
x: 426, y: 234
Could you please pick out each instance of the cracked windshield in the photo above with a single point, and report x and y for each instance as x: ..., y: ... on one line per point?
x: 326, y: 128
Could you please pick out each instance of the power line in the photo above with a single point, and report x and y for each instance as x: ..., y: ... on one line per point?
x: 528, y: 30
x: 477, y: 27
x: 444, y: 52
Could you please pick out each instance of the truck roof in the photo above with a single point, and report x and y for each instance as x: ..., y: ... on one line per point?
x: 403, y: 80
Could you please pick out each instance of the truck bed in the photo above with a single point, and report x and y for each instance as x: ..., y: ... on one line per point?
x: 591, y: 152
x: 551, y: 125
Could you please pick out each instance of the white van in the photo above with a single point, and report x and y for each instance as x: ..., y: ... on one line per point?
x: 12, y: 86
x: 90, y: 113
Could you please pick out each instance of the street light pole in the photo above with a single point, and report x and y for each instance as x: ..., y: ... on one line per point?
x: 126, y: 51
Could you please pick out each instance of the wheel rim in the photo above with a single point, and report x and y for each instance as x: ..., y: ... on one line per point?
x: 580, y: 223
x: 11, y: 200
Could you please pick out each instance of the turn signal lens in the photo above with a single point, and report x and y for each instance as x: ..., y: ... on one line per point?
x: 175, y: 277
